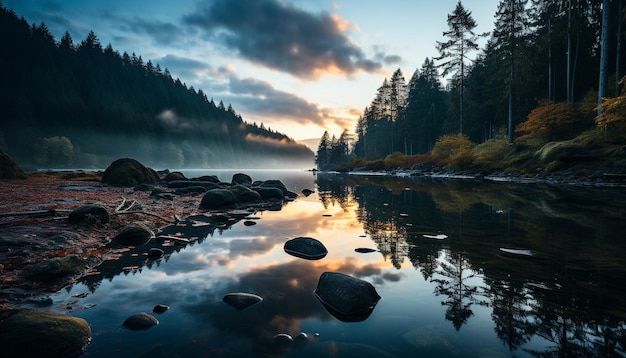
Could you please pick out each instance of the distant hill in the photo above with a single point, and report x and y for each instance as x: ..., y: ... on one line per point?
x: 84, y: 105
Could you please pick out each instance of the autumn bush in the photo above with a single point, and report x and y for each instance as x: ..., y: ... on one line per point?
x: 455, y: 151
x: 548, y: 122
x: 493, y: 154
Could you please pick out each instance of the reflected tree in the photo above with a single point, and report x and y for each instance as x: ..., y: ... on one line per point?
x: 455, y: 282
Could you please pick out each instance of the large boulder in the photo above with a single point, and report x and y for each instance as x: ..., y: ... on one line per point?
x: 347, y: 298
x: 217, y: 199
x: 246, y: 195
x: 9, y: 169
x: 241, y: 178
x: 279, y: 185
x: 268, y: 193
x: 34, y: 333
x: 129, y: 172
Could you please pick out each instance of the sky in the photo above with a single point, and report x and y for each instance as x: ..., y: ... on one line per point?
x: 300, y: 67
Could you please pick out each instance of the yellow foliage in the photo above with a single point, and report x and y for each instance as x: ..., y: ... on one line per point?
x: 549, y: 121
x: 455, y: 150
x: 613, y: 109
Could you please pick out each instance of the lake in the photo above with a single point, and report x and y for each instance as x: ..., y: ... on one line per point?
x: 464, y: 269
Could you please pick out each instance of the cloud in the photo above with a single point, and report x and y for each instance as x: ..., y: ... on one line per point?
x: 261, y: 98
x: 183, y: 66
x: 163, y: 33
x: 283, y: 37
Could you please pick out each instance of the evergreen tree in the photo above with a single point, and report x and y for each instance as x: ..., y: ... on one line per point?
x: 511, y: 25
x: 461, y: 41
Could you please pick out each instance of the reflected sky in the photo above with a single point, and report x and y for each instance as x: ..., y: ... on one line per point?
x: 458, y: 296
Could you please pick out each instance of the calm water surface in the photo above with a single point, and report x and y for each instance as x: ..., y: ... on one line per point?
x: 560, y: 294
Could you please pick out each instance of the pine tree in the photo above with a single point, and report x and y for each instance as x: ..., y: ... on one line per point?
x: 511, y: 25
x: 461, y: 41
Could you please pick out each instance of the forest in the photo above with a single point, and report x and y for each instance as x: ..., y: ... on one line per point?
x: 551, y: 70
x: 82, y: 105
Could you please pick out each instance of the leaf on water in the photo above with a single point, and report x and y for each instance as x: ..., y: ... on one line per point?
x: 436, y: 237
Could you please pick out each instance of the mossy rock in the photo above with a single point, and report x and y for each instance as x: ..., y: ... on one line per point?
x: 129, y: 172
x: 279, y: 185
x: 245, y: 194
x: 216, y: 199
x: 269, y: 193
x: 60, y: 267
x: 9, y: 169
x: 173, y: 176
x: 91, y: 214
x: 241, y: 178
x: 134, y: 234
x: 33, y: 333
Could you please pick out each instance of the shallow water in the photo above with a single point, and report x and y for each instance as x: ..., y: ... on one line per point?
x: 448, y: 289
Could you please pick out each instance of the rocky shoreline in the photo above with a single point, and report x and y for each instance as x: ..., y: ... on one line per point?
x: 58, y: 228
x: 597, y: 180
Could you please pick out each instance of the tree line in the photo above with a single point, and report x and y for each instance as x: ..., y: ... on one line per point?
x: 83, y: 104
x: 546, y: 66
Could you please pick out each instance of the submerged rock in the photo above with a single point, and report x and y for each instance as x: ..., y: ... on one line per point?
x: 306, y: 248
x: 241, y: 300
x: 140, y: 321
x: 347, y: 298
x: 91, y: 214
x: 307, y: 192
x: 134, y: 234
x: 34, y: 333
x: 282, y: 338
x: 129, y: 172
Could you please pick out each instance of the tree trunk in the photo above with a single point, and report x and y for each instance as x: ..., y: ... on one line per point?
x: 604, y: 52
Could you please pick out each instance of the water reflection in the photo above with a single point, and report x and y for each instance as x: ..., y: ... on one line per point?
x: 568, y: 294
x: 448, y: 289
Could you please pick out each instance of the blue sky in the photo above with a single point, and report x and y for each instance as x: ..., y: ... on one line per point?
x: 298, y: 66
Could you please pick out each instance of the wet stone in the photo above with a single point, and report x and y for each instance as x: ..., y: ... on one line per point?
x: 134, y: 234
x: 282, y: 338
x: 306, y: 248
x: 140, y: 321
x: 347, y: 298
x: 91, y: 214
x: 160, y: 308
x: 155, y: 253
x: 241, y: 300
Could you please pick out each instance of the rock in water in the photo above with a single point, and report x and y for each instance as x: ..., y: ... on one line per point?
x: 241, y: 300
x: 160, y: 308
x: 347, y: 298
x: 34, y: 333
x: 364, y: 250
x: 282, y: 338
x: 129, y: 172
x: 155, y: 253
x: 241, y: 178
x: 140, y: 321
x: 134, y: 234
x: 218, y: 199
x: 306, y: 248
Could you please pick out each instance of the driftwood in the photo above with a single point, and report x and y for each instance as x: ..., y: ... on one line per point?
x: 132, y: 209
x: 50, y: 212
